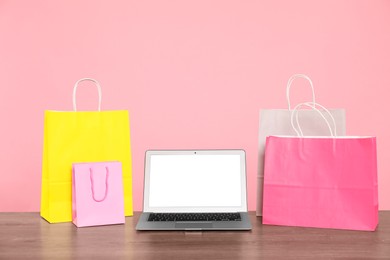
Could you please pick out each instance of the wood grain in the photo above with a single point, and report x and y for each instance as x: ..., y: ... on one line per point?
x: 27, y: 236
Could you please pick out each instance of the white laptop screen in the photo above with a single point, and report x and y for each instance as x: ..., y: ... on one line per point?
x: 195, y: 181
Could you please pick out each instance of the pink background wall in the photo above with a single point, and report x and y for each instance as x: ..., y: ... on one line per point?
x: 193, y: 74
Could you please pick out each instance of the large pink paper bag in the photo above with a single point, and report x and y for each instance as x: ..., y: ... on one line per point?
x: 97, y: 194
x: 326, y: 182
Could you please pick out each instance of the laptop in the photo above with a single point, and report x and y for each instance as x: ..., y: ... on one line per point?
x: 195, y: 190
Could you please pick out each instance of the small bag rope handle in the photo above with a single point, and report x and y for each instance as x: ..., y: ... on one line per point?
x: 99, y: 89
x: 289, y: 83
x: 295, y: 113
x: 92, y: 185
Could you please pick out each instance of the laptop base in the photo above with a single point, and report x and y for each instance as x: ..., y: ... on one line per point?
x: 144, y: 224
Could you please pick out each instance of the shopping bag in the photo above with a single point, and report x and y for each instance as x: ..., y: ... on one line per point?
x: 325, y: 182
x: 81, y: 136
x: 97, y: 194
x: 277, y: 122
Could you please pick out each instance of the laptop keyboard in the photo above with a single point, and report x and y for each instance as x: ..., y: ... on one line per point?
x: 194, y: 217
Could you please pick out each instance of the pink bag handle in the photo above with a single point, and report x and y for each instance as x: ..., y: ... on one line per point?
x: 99, y: 89
x: 312, y: 105
x: 92, y: 186
x: 289, y: 83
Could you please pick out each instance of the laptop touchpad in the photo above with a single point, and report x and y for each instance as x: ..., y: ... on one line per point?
x: 193, y: 225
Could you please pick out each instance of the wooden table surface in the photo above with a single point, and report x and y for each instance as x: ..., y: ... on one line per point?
x: 27, y: 236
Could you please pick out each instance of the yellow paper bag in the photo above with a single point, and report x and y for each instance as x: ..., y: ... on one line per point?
x: 74, y: 137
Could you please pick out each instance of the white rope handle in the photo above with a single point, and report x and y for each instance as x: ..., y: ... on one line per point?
x: 295, y: 112
x: 313, y: 106
x: 289, y: 83
x: 75, y: 90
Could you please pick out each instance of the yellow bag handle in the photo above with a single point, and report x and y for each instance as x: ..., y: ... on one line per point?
x: 98, y: 89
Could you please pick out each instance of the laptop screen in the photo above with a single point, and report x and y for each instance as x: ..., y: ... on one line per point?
x: 195, y: 181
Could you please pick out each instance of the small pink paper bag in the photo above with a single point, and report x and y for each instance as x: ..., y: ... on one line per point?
x: 97, y: 194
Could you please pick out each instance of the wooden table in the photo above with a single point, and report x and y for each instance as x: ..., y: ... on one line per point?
x: 27, y: 236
